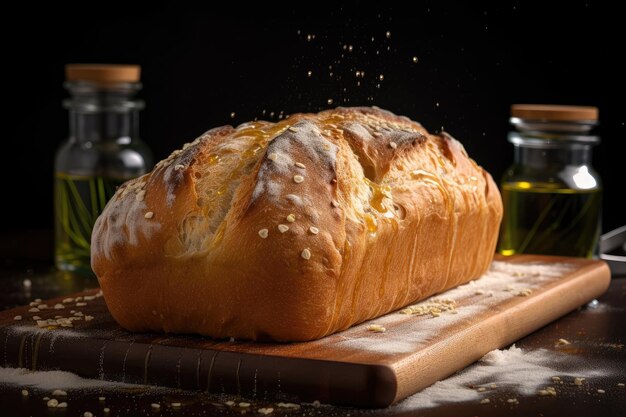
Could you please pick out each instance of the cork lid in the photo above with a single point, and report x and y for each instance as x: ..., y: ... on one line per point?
x: 103, y: 73
x: 550, y: 112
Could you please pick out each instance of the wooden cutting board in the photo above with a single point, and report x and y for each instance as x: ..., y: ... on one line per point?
x: 356, y: 367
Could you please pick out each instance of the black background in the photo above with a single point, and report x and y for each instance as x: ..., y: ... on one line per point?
x: 199, y: 65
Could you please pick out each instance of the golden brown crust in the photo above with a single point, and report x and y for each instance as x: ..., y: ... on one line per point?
x: 295, y: 230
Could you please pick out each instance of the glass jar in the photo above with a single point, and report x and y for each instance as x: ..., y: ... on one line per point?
x: 103, y: 151
x: 552, y: 196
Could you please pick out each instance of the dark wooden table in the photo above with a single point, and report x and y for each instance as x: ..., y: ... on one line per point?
x: 599, y: 334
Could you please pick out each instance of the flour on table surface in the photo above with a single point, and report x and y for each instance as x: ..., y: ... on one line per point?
x: 513, y: 369
x: 50, y: 380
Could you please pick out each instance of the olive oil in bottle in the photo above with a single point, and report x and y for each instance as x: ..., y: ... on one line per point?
x: 546, y: 219
x: 552, y: 197
x: 103, y: 150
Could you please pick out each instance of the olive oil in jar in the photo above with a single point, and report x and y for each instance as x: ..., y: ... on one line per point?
x: 551, y: 194
x: 544, y: 218
x: 78, y: 201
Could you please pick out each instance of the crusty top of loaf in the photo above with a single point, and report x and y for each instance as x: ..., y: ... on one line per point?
x: 298, y: 198
x: 375, y: 143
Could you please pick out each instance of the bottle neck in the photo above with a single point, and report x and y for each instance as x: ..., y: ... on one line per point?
x: 103, y: 113
x: 103, y: 126
x: 554, y: 156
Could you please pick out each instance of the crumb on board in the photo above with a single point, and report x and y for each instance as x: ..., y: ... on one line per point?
x: 435, y: 307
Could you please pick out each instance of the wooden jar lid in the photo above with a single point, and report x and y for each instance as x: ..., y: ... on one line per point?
x: 549, y: 112
x: 103, y: 73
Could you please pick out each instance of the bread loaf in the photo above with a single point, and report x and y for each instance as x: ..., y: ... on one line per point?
x: 294, y: 230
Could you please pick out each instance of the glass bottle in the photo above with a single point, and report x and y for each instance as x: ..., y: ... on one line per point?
x: 552, y: 196
x: 103, y: 151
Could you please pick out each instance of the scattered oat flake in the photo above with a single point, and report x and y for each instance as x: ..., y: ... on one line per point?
x: 89, y: 318
x: 59, y: 392
x: 291, y: 218
x: 230, y: 403
x: 178, y: 166
x: 621, y: 384
x: 481, y: 389
x: 512, y: 401
x: 155, y: 406
x: 306, y: 254
x: 549, y: 391
x: 288, y: 405
x: 314, y: 230
x: 393, y: 145
x: 62, y: 405
x: 106, y: 410
x: 485, y: 401
x: 376, y: 328
x: 81, y: 304
x: 601, y: 391
x: 36, y: 318
x: 59, y: 306
x: 300, y: 165
x: 52, y: 403
x: 102, y: 398
x: 244, y: 404
x: 292, y: 129
x: 264, y: 233
x: 34, y: 310
x: 25, y: 393
x: 88, y: 414
x: 176, y: 405
x: 562, y: 342
x: 17, y: 318
x: 298, y: 179
x: 266, y: 411
x: 282, y: 228
x: 149, y: 215
x: 556, y: 378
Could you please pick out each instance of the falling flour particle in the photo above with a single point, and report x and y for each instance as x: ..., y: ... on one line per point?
x: 523, y: 372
